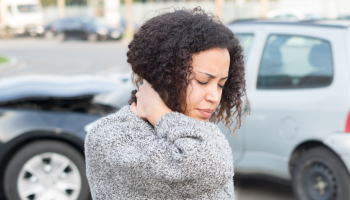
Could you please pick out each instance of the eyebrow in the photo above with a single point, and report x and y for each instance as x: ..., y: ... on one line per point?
x: 211, y: 75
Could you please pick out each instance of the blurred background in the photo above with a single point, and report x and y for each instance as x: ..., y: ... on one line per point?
x: 31, y: 24
x: 63, y: 66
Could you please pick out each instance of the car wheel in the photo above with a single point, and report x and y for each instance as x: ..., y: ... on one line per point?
x: 103, y: 37
x: 49, y: 35
x: 46, y: 170
x: 60, y: 37
x: 321, y: 175
x: 92, y: 37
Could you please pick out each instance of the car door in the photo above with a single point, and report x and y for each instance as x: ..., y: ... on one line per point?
x: 290, y: 95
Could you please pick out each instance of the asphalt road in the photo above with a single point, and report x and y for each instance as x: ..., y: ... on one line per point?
x: 39, y: 56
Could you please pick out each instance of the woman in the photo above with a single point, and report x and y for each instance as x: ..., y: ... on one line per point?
x: 163, y: 145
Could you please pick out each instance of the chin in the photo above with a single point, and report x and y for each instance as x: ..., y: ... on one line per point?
x: 202, y: 119
x: 198, y: 117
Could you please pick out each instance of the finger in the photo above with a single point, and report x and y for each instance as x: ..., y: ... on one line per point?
x: 133, y: 105
x: 133, y: 108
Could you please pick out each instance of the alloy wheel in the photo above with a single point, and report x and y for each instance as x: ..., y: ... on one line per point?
x: 49, y: 176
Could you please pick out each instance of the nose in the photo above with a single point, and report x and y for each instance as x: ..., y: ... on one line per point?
x: 213, y: 95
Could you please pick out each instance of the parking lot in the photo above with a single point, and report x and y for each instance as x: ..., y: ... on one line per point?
x: 39, y: 56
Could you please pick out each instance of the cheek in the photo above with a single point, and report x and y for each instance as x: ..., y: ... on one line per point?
x: 194, y: 96
x: 220, y: 94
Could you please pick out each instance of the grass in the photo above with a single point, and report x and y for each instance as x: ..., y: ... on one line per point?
x: 3, y: 59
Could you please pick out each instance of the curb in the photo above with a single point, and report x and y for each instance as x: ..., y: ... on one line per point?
x: 12, y: 61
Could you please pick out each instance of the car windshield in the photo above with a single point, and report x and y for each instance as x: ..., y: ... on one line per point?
x: 94, y: 22
x: 28, y: 8
x: 71, y: 22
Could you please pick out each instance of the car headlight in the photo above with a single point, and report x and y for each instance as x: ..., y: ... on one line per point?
x: 102, y: 31
x: 115, y: 34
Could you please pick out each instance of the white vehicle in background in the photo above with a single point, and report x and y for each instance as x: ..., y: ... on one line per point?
x: 299, y: 94
x: 21, y: 16
x: 295, y: 14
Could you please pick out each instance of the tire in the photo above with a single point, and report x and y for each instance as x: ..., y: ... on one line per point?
x: 61, y: 37
x: 47, y: 166
x: 103, y: 37
x: 321, y: 175
x: 92, y: 37
x: 49, y: 35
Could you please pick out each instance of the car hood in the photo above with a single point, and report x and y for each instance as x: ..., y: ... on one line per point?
x: 36, y: 86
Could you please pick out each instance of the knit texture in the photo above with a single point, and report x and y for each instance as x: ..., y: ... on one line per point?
x: 179, y: 158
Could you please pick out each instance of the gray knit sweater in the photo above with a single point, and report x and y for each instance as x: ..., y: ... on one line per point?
x: 179, y: 158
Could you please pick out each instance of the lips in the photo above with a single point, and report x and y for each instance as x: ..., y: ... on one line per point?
x: 206, y: 113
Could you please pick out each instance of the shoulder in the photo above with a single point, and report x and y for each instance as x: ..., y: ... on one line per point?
x: 121, y: 116
x: 115, y: 128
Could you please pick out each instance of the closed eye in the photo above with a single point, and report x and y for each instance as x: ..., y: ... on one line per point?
x: 221, y: 86
x: 201, y: 82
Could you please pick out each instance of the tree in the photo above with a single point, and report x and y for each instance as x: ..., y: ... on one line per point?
x: 264, y: 7
x: 46, y: 3
x: 219, y: 4
x: 129, y: 32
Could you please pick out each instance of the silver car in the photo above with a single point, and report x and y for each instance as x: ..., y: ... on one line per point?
x: 298, y: 87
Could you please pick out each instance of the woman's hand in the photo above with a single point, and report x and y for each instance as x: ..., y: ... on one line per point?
x: 133, y: 108
x: 149, y: 104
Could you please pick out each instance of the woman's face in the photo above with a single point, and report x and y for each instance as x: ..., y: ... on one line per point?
x: 203, y: 94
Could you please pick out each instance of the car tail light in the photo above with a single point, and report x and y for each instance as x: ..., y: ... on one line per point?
x: 347, y: 126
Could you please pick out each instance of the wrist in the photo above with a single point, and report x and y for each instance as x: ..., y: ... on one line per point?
x: 157, y: 113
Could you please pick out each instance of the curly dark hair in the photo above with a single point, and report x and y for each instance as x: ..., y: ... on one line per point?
x: 161, y: 53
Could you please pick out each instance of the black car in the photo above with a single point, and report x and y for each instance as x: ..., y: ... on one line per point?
x: 43, y: 123
x: 343, y: 17
x: 91, y: 29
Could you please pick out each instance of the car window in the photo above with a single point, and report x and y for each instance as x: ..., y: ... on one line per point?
x: 28, y: 8
x: 295, y: 62
x: 246, y: 41
x: 71, y: 23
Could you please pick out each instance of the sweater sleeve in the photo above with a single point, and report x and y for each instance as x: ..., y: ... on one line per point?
x: 189, y: 150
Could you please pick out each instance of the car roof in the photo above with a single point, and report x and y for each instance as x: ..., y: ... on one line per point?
x: 342, y: 24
